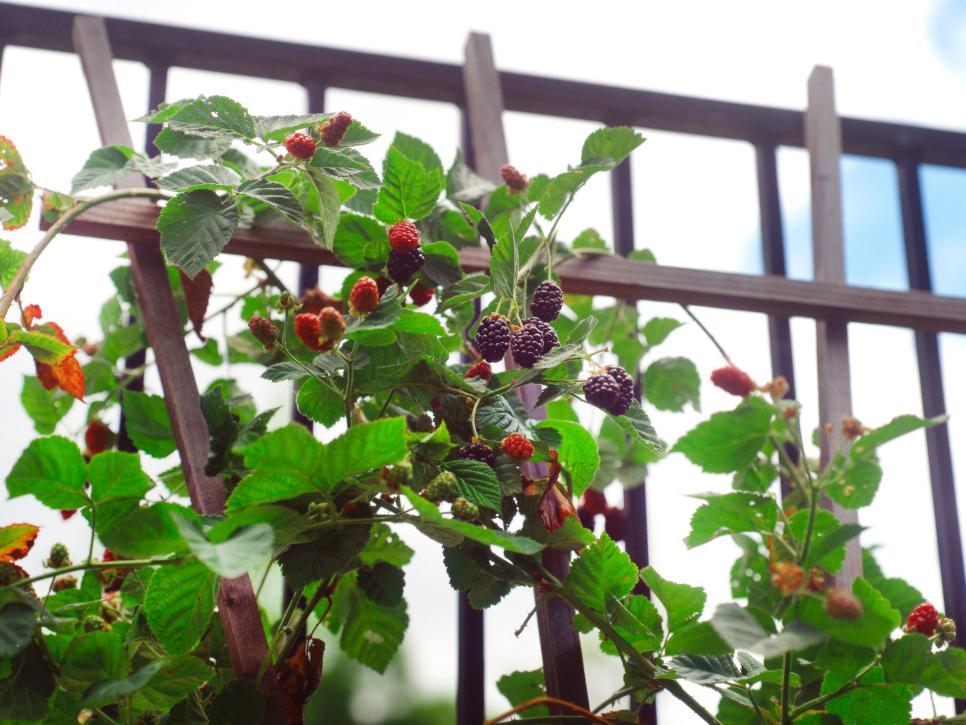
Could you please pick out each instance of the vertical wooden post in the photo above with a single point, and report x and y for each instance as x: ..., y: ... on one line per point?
x: 237, y: 607
x: 823, y: 137
x: 563, y: 665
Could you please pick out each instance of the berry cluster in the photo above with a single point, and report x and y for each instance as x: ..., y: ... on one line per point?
x: 442, y: 487
x: 517, y: 447
x: 320, y: 332
x: 333, y: 130
x: 611, y: 390
x: 263, y: 330
x: 300, y: 145
x: 364, y: 296
x: 404, y: 237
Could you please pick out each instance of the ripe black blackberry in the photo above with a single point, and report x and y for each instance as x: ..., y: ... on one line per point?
x: 526, y: 345
x: 477, y: 452
x: 626, y: 396
x: 493, y: 337
x: 550, y: 340
x: 546, y: 301
x: 403, y: 265
x: 602, y: 390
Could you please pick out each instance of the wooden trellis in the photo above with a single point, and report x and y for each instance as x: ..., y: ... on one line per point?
x: 483, y: 92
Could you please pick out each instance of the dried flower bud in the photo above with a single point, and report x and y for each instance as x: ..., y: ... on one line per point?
x: 852, y: 428
x: 776, y: 389
x: 787, y: 576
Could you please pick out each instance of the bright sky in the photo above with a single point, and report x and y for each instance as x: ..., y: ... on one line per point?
x: 695, y: 205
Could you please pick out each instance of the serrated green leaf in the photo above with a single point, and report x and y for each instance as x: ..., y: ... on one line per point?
x: 213, y: 117
x: 195, y: 226
x: 637, y: 425
x: 671, y: 383
x: 728, y: 440
x: 274, y: 196
x: 464, y: 184
x: 319, y: 402
x: 910, y: 660
x: 382, y: 583
x: 207, y: 176
x: 636, y: 621
x: 408, y: 191
x: 859, y: 484
x: 522, y: 686
x: 385, y: 545
x: 107, y: 691
x: 243, y: 550
x: 871, y: 629
x: 25, y: 692
x: 52, y: 470
x: 179, y: 603
x: 10, y: 261
x: 470, y: 571
x: 577, y: 451
x: 360, y: 242
x: 469, y: 288
x: 442, y: 263
x: 731, y: 513
x: 476, y: 482
x: 873, y: 704
x: 18, y: 622
x: 610, y: 144
x: 741, y: 630
x: 418, y: 323
x: 657, y: 329
x: 237, y: 701
x: 600, y: 571
x: 131, y: 530
x: 364, y: 448
x: 895, y: 428
x: 103, y: 167
x: 45, y: 407
x: 699, y: 638
x: 148, y: 424
x: 115, y: 474
x: 279, y: 126
x: 178, y: 678
x: 828, y: 539
x: 189, y: 146
x: 682, y: 602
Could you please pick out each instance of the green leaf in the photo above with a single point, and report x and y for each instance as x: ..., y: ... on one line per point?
x: 578, y: 452
x: 477, y: 482
x: 244, y: 549
x: 280, y: 126
x: 357, y: 135
x: 409, y: 191
x: 364, y: 448
x: 505, y: 266
x: 859, y: 484
x: 189, y: 146
x: 519, y: 687
x: 741, y: 630
x: 671, y: 383
x: 51, y: 470
x: 208, y: 176
x: 179, y: 603
x: 829, y: 537
x: 108, y: 691
x: 347, y: 164
x: 432, y: 520
x: 92, y: 656
x: 418, y: 323
x: 417, y: 150
x: 382, y: 583
x: 657, y: 329
x: 706, y: 670
x: 269, y: 485
x: 131, y: 530
x: 873, y: 704
x: 895, y: 428
x: 114, y: 475
x: 44, y: 347
x: 321, y: 204
x: 148, y: 424
x: 731, y: 513
x: 463, y: 184
x: 103, y: 167
x: 869, y: 630
x: 10, y: 261
x: 729, y: 440
x: 637, y: 425
x: 600, y: 571
x: 385, y: 545
x: 472, y: 572
x: 682, y: 602
x: 699, y: 638
x: 372, y: 633
x: 26, y: 691
x: 319, y: 402
x: 637, y: 622
x: 178, y: 678
x: 214, y: 117
x: 195, y: 226
x: 467, y: 289
x: 610, y: 145
x: 442, y: 263
x: 236, y: 702
x: 45, y: 407
x: 18, y: 621
x: 334, y: 551
x: 360, y: 242
x: 910, y: 660
x: 276, y: 197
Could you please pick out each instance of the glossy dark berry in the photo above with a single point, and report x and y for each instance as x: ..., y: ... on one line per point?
x: 546, y: 301
x: 477, y: 452
x: 526, y: 346
x: 601, y: 390
x: 626, y: 383
x: 550, y: 339
x: 403, y: 265
x: 493, y: 337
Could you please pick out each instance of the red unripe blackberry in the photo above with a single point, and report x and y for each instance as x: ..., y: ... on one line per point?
x: 493, y: 337
x: 403, y: 265
x: 514, y: 180
x: 733, y: 380
x: 263, y: 330
x: 526, y: 346
x: 364, y: 296
x: 840, y: 604
x: 517, y: 447
x: 480, y: 370
x: 331, y: 327
x: 594, y: 502
x: 333, y: 130
x: 923, y: 619
x: 550, y: 339
x: 626, y: 383
x: 615, y: 523
x: 602, y: 391
x: 308, y: 328
x: 300, y: 145
x: 404, y: 237
x: 98, y: 437
x: 547, y: 301
x: 477, y: 452
x: 421, y: 295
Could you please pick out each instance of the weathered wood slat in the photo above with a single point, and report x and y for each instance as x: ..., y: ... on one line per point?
x: 828, y: 252
x: 133, y: 221
x: 237, y: 607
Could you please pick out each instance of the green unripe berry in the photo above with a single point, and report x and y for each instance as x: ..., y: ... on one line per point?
x: 59, y: 556
x: 442, y: 487
x: 466, y: 510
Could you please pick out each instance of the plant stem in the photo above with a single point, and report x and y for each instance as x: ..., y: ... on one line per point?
x: 476, y: 404
x: 818, y: 701
x: 349, y: 375
x: 547, y: 700
x: 320, y: 593
x: 94, y: 566
x: 707, y: 332
x: 786, y: 686
x: 16, y: 284
x: 282, y: 624
x: 813, y: 496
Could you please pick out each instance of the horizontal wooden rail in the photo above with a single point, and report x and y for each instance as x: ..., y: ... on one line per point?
x: 133, y: 221
x: 376, y: 73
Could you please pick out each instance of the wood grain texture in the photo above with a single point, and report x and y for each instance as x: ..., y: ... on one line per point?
x: 237, y: 607
x: 824, y: 140
x: 134, y: 220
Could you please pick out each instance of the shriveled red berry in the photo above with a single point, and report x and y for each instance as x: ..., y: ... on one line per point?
x: 517, y: 446
x: 308, y: 328
x: 263, y: 330
x: 404, y: 237
x: 334, y: 129
x: 594, y: 502
x: 364, y: 296
x: 923, y: 619
x: 98, y: 437
x: 300, y: 145
x: 481, y: 370
x: 840, y: 604
x: 421, y: 295
x: 331, y: 327
x: 733, y: 380
x: 514, y: 180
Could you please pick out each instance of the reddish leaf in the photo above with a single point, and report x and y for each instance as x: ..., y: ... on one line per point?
x: 31, y: 313
x: 16, y: 209
x: 197, y: 292
x: 66, y: 375
x: 298, y: 678
x: 7, y: 348
x: 555, y: 506
x: 16, y: 540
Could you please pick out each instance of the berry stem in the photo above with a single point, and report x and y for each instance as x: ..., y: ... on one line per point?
x: 349, y: 376
x: 844, y: 689
x: 94, y: 566
x: 707, y: 332
x: 16, y: 284
x: 587, y: 715
x: 786, y: 687
x: 476, y: 404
